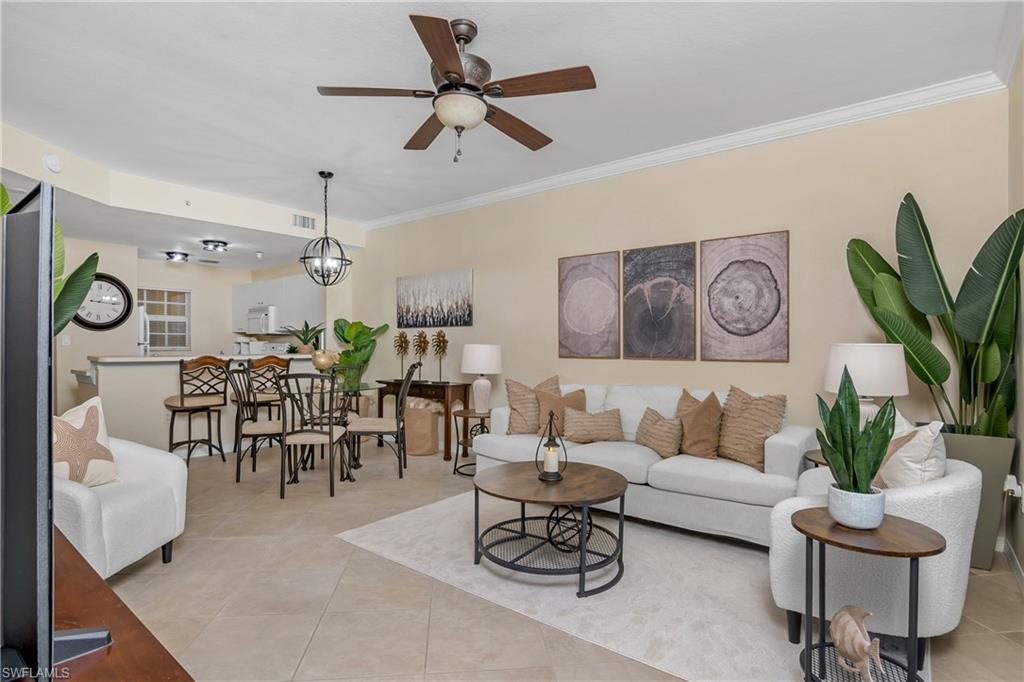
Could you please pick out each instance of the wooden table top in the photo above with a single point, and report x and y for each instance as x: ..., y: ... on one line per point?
x: 897, y: 536
x: 816, y: 457
x: 581, y: 484
x: 82, y: 599
x: 471, y: 414
x: 423, y: 382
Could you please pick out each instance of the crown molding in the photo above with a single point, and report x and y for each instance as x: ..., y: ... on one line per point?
x: 862, y: 111
x: 1008, y: 44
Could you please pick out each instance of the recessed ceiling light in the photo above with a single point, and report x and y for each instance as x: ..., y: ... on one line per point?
x: 215, y: 245
x: 177, y: 256
x: 259, y: 255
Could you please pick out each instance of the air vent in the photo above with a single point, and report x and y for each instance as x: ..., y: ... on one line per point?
x: 207, y: 261
x: 304, y: 221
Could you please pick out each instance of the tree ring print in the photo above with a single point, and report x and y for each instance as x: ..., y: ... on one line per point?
x: 745, y: 297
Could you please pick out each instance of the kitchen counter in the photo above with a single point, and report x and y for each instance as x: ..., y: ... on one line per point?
x: 163, y: 359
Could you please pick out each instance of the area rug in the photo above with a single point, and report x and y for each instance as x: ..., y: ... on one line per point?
x: 693, y: 606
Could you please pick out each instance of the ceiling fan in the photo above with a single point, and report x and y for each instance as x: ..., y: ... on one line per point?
x: 462, y: 80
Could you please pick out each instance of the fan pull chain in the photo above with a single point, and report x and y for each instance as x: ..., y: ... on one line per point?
x: 458, y: 144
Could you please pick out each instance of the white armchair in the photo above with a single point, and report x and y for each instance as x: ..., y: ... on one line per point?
x: 880, y: 584
x: 116, y: 524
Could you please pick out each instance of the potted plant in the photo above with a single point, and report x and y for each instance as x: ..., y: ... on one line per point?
x: 854, y: 455
x: 440, y: 345
x: 980, y: 328
x: 359, y: 341
x: 401, y: 345
x: 420, y: 347
x: 307, y: 336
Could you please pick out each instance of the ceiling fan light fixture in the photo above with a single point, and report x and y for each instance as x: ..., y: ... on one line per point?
x: 460, y: 110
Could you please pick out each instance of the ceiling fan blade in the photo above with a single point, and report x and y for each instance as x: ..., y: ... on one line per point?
x: 546, y: 83
x: 426, y: 134
x: 436, y: 35
x: 331, y: 91
x: 521, y: 132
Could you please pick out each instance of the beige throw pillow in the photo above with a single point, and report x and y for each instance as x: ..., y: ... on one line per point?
x: 659, y: 434
x: 915, y: 457
x: 584, y: 427
x: 747, y: 422
x: 700, y: 420
x: 524, y: 411
x: 81, y: 447
x: 550, y: 402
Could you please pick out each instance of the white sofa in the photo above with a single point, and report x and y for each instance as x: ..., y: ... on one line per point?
x: 116, y: 524
x: 718, y: 496
x: 880, y: 584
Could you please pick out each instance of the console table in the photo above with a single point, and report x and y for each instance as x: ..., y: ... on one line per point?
x: 446, y: 394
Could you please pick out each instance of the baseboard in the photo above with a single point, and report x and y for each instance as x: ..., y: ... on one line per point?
x: 1014, y: 561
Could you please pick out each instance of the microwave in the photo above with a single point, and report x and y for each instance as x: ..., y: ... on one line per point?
x: 261, y: 319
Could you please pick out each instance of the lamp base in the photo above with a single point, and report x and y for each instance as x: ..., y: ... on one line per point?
x: 550, y: 476
x: 482, y: 394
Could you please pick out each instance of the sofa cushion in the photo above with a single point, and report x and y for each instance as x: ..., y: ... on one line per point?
x: 747, y: 421
x: 721, y: 479
x: 632, y: 401
x: 659, y: 434
x: 551, y: 403
x: 515, y: 448
x: 701, y: 420
x: 524, y: 416
x: 81, y: 446
x: 591, y: 427
x: 629, y: 459
x: 595, y: 394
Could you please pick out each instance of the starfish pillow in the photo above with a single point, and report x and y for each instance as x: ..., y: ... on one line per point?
x: 81, y: 448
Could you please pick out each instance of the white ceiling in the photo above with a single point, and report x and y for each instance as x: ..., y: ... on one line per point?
x: 222, y: 96
x: 155, y: 234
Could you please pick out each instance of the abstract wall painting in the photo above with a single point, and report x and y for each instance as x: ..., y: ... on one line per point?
x: 659, y: 302
x: 745, y: 298
x: 440, y: 299
x: 588, y: 306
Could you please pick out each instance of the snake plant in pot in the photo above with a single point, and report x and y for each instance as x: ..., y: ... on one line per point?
x: 854, y: 455
x: 979, y: 327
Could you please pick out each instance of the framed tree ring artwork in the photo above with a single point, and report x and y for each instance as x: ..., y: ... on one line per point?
x: 588, y: 306
x: 745, y: 298
x: 659, y: 295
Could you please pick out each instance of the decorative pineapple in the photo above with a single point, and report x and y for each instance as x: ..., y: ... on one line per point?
x: 440, y: 346
x: 420, y: 347
x: 401, y: 344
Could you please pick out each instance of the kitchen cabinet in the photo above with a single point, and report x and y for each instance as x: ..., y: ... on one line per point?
x: 296, y: 299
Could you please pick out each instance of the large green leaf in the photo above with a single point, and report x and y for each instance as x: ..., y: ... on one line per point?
x: 76, y: 287
x: 58, y: 259
x: 865, y: 264
x: 1005, y: 332
x: 890, y: 295
x: 5, y: 200
x: 339, y: 330
x: 919, y: 267
x: 1005, y: 384
x: 925, y: 360
x: 987, y: 281
x: 989, y: 363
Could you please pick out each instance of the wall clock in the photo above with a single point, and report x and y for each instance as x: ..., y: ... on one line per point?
x: 107, y: 305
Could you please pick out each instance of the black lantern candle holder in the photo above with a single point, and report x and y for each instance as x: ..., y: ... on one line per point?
x: 551, y: 457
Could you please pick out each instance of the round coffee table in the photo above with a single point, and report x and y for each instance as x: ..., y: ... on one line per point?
x: 562, y: 542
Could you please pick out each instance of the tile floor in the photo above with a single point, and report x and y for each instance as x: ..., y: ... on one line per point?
x: 260, y: 589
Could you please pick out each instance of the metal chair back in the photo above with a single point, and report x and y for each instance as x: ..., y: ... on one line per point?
x: 243, y: 386
x: 203, y: 376
x: 312, y: 402
x: 264, y: 372
x: 403, y: 393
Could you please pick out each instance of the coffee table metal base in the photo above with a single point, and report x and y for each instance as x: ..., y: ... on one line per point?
x: 564, y: 542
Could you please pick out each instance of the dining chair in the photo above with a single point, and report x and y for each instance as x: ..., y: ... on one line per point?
x: 247, y: 423
x: 359, y: 427
x: 311, y: 417
x: 202, y: 390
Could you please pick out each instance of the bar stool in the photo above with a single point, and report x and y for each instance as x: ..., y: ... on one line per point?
x: 264, y: 372
x: 202, y: 389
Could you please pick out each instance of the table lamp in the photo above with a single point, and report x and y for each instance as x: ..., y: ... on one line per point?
x: 481, y: 359
x: 877, y: 370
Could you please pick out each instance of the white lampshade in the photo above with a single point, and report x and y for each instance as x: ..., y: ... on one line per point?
x: 481, y: 358
x: 460, y: 110
x: 877, y: 369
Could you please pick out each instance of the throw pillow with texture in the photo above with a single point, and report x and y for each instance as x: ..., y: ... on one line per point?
x: 550, y: 402
x: 747, y: 422
x: 700, y: 420
x: 585, y: 427
x: 81, y: 447
x: 524, y: 411
x: 915, y: 457
x: 659, y: 434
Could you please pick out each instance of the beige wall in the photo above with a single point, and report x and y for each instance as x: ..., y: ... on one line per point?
x: 824, y: 187
x: 210, y: 316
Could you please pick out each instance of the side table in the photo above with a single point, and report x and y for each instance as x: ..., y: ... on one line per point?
x: 464, y: 442
x: 816, y: 458
x: 896, y: 537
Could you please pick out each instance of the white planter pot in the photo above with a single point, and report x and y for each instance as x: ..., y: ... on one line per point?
x: 863, y: 511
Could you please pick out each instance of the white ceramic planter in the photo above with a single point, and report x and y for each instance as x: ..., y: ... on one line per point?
x: 863, y: 511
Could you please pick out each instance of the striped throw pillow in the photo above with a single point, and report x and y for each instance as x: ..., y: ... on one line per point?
x: 659, y: 434
x: 584, y: 427
x: 524, y: 410
x: 747, y: 422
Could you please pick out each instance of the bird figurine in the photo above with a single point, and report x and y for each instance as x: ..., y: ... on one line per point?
x: 854, y: 647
